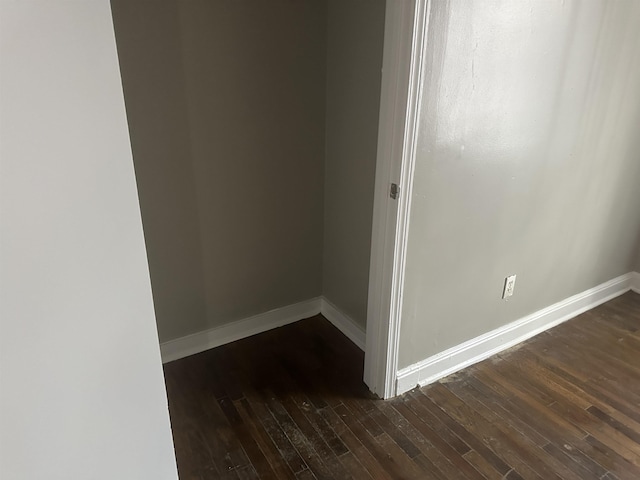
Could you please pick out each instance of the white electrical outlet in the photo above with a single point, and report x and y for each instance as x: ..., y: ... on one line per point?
x: 509, y: 285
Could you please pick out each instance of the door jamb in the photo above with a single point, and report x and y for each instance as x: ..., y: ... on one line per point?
x: 406, y: 24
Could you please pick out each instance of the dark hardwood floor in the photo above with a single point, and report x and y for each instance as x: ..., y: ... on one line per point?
x: 290, y: 404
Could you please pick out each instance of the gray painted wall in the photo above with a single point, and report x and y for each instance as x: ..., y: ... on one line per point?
x: 527, y: 163
x: 150, y: 53
x: 354, y: 60
x: 226, y: 107
x: 81, y: 387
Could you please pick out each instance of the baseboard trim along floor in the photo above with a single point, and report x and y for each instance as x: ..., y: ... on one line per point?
x: 421, y: 373
x: 635, y: 282
x: 477, y: 349
x: 237, y: 330
x: 230, y: 332
x: 343, y: 322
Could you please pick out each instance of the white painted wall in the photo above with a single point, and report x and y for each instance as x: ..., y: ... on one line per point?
x: 82, y: 393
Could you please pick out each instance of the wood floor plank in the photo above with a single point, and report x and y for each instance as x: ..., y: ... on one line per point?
x: 542, y: 425
x: 267, y: 446
x: 425, y: 416
x: 567, y: 372
x: 481, y: 464
x: 458, y: 429
x: 287, y: 451
x: 416, y: 436
x: 612, y: 460
x: 521, y: 456
x: 290, y: 404
x: 325, y: 431
x: 248, y: 473
x: 626, y: 429
x: 555, y: 428
x: 305, y: 475
x: 583, y: 468
x: 593, y: 372
x: 578, y: 416
x: 388, y: 455
x: 395, y: 433
x: 539, y: 455
x: 442, y: 455
x: 316, y: 441
x: 354, y: 466
x: 611, y: 367
x: 494, y: 412
x: 258, y: 460
x: 431, y: 472
x: 300, y: 442
x: 408, y: 468
x: 368, y: 461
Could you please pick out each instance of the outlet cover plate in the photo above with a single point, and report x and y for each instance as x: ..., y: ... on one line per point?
x: 509, y: 286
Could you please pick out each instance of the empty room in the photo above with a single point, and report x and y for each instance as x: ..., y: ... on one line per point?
x: 319, y: 239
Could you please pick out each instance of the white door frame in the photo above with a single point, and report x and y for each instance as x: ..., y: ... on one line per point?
x: 406, y: 24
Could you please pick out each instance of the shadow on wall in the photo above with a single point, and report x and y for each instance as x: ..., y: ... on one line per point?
x: 225, y: 102
x: 149, y: 50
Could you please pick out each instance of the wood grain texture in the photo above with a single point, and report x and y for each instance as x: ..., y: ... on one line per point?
x: 290, y: 404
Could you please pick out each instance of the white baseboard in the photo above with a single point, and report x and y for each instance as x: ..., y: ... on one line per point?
x: 343, y: 322
x: 479, y: 348
x: 635, y: 282
x: 201, y: 341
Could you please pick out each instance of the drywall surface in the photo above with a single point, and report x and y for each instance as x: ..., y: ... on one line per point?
x: 225, y: 102
x: 527, y: 163
x: 355, y: 34
x: 150, y: 53
x: 82, y: 392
